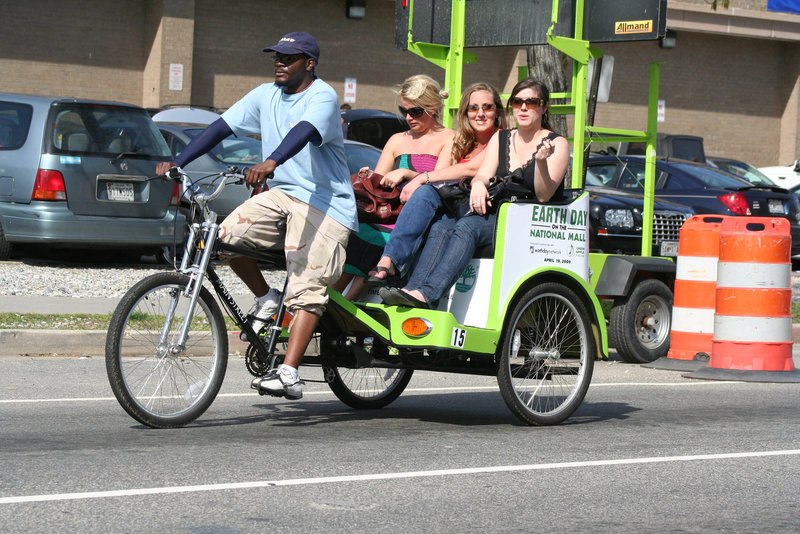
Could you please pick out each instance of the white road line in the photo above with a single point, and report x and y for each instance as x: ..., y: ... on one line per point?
x: 407, y: 390
x: 387, y: 476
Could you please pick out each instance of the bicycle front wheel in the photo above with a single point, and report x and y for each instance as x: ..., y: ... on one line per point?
x: 157, y: 381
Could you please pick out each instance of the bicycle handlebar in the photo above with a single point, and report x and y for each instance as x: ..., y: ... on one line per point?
x: 231, y: 175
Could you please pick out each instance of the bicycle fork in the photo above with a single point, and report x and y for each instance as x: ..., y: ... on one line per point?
x: 192, y: 289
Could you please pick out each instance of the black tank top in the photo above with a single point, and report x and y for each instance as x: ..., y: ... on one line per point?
x: 528, y: 170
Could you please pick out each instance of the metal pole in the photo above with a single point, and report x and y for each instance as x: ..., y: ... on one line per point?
x: 650, y: 161
x: 454, y: 62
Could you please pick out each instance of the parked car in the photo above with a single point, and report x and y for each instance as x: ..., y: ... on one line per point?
x: 360, y: 155
x: 186, y: 115
x: 740, y: 169
x: 702, y: 188
x: 73, y: 173
x: 688, y: 147
x: 786, y: 176
x: 616, y: 219
x: 371, y: 126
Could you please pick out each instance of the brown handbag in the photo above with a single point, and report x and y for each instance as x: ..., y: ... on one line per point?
x: 375, y: 203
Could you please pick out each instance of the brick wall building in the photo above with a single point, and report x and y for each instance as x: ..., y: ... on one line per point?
x: 733, y: 76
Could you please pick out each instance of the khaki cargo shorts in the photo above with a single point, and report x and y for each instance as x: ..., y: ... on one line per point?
x: 314, y: 244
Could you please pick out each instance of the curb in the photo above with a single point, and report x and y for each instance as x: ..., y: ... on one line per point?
x: 72, y: 343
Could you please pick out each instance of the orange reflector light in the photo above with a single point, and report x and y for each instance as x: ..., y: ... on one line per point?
x: 416, y: 327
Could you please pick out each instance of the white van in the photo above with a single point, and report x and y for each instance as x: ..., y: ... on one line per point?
x: 786, y: 176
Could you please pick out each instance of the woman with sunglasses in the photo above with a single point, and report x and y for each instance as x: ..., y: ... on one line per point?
x: 405, y: 155
x: 532, y: 149
x: 479, y: 116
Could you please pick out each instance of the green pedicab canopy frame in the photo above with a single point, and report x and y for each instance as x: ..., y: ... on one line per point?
x: 453, y: 56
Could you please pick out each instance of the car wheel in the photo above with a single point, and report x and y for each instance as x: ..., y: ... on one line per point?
x: 5, y: 246
x: 639, y: 325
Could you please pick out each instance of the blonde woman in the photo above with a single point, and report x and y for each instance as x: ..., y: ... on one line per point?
x: 406, y: 155
x: 480, y: 115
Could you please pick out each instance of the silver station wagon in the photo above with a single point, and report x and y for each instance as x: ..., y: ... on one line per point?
x: 74, y: 173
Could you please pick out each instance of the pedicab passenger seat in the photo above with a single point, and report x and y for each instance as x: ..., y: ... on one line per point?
x: 566, y: 197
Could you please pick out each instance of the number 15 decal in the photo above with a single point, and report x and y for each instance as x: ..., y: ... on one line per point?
x: 458, y: 338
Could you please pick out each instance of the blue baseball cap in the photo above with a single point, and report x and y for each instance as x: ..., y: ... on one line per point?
x: 296, y: 43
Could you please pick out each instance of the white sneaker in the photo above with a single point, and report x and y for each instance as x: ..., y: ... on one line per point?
x: 280, y: 382
x: 262, y: 312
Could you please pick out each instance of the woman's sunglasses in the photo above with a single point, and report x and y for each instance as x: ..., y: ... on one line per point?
x: 415, y: 112
x: 473, y: 108
x: 532, y: 103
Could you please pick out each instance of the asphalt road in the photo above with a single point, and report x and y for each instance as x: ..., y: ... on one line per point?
x: 648, y: 450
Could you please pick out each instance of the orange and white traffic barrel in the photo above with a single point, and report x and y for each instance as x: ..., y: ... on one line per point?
x: 753, y: 317
x: 692, y: 326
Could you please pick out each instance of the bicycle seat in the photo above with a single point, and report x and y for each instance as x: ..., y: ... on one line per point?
x: 274, y: 256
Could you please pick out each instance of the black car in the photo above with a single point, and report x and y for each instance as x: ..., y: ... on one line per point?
x: 616, y: 218
x: 371, y: 126
x: 702, y: 188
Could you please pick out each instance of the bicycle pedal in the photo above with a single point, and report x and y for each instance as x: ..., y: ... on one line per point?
x: 264, y: 392
x: 256, y: 385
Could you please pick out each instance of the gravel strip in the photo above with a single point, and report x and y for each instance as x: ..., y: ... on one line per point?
x: 53, y: 280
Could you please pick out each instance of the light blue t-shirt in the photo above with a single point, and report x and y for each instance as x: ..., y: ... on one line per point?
x: 317, y: 175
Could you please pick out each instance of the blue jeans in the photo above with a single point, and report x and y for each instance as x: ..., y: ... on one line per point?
x: 411, y: 226
x: 450, y: 245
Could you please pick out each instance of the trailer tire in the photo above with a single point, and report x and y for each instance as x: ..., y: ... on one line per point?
x: 640, y: 324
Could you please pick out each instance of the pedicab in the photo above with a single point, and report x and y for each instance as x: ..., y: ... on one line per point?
x: 522, y: 311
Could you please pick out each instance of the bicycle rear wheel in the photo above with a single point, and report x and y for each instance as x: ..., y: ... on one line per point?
x: 547, y: 355
x: 367, y: 388
x: 161, y: 384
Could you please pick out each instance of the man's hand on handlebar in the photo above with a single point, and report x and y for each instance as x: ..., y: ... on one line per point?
x: 258, y: 174
x: 164, y: 167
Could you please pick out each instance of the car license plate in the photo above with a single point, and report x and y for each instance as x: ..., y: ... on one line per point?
x: 776, y: 205
x: 669, y: 248
x: 120, y: 192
